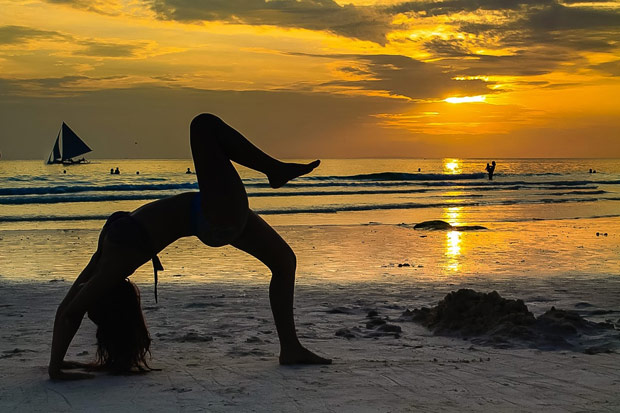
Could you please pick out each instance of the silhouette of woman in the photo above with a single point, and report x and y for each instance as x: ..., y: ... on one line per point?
x: 218, y: 215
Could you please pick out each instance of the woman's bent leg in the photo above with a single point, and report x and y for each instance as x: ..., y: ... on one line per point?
x: 263, y: 242
x: 223, y: 196
x: 235, y: 147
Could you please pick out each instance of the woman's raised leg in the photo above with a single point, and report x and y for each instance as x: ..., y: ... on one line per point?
x: 206, y: 128
x: 263, y: 242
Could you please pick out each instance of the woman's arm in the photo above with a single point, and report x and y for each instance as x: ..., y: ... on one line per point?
x: 65, y: 327
x: 95, y: 281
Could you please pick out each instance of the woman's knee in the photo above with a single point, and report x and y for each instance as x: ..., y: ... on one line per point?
x: 286, y: 262
x: 203, y: 123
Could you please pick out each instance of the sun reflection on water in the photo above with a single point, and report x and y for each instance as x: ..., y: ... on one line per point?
x: 452, y: 215
x: 453, y: 249
x: 452, y: 166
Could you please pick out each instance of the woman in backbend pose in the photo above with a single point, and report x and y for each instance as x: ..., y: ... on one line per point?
x: 218, y: 215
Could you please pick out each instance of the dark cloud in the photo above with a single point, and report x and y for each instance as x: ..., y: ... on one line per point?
x: 19, y: 34
x: 52, y: 86
x: 546, y: 35
x: 98, y: 6
x: 94, y: 48
x: 354, y: 70
x: 612, y: 68
x: 518, y: 34
x: 527, y: 22
x: 103, y: 49
x: 365, y: 22
x: 18, y: 86
x: 524, y: 62
x: 558, y: 17
x: 585, y: 1
x: 402, y: 76
x: 435, y: 8
x: 597, y: 26
x: 447, y: 47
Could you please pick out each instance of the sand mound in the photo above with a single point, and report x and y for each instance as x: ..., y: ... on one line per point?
x: 487, y: 318
x: 443, y: 225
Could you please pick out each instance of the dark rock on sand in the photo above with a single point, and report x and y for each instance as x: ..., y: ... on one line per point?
x: 15, y: 352
x: 443, y: 225
x: 375, y: 327
x: 487, y: 318
x: 340, y: 310
x: 375, y: 322
x: 346, y: 333
x: 372, y: 313
x: 437, y: 224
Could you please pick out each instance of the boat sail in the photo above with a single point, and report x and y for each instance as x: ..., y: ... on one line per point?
x: 68, y: 146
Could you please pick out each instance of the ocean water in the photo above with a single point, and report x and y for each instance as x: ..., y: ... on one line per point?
x: 349, y: 219
x: 338, y: 192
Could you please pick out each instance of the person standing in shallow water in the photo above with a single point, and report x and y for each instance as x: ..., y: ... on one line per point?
x: 491, y: 170
x: 218, y: 215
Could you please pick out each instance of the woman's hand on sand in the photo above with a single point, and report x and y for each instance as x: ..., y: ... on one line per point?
x: 63, y: 375
x: 57, y: 374
x: 69, y: 365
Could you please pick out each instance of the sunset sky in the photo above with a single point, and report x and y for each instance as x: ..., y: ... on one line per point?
x: 314, y: 78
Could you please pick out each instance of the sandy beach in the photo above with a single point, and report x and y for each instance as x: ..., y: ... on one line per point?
x: 215, y: 348
x: 217, y: 351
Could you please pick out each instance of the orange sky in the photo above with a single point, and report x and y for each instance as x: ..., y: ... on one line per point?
x: 314, y: 78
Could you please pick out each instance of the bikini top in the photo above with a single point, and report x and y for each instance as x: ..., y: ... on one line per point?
x: 144, y: 235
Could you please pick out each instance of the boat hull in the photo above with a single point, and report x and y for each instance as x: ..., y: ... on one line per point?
x: 66, y: 162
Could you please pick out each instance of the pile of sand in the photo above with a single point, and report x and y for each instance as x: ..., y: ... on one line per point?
x: 488, y: 318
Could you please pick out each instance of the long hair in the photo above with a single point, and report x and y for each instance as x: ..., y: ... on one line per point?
x: 123, y: 340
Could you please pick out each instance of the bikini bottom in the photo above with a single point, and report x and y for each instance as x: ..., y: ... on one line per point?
x: 209, y: 233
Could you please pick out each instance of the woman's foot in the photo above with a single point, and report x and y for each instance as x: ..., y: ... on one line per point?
x: 302, y: 356
x: 288, y: 171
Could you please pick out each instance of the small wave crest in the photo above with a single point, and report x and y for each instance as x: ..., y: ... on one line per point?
x: 331, y: 209
x: 400, y: 176
x: 69, y: 189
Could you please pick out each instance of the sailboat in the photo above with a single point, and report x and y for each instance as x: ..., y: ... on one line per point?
x: 68, y: 146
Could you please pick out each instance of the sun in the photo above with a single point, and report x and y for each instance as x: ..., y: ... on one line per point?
x: 466, y: 99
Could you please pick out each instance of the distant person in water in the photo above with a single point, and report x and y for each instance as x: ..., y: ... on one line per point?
x: 218, y: 215
x: 111, y: 171
x: 117, y: 171
x: 491, y: 170
x: 189, y: 171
